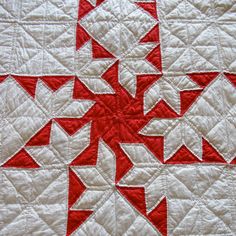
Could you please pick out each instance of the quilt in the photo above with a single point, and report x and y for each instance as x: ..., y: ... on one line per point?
x: 117, y: 117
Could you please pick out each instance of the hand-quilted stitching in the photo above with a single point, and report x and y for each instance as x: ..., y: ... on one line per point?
x: 123, y: 117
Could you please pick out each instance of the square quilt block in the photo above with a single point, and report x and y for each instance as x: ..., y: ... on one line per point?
x: 117, y: 118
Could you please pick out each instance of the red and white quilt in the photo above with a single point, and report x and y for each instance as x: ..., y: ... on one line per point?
x: 117, y: 117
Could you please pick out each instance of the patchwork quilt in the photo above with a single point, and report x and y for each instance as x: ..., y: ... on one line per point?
x: 117, y: 117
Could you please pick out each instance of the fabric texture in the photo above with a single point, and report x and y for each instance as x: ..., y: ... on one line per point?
x: 117, y: 117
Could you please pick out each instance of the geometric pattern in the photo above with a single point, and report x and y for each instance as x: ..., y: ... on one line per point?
x: 117, y: 118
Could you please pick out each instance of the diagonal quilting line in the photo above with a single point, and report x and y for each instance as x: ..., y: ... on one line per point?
x: 133, y: 33
x: 49, y: 226
x: 48, y: 185
x: 106, y: 190
x: 227, y: 11
x: 14, y: 218
x: 230, y: 64
x: 28, y: 60
x: 170, y: 30
x: 174, y: 7
x: 21, y: 136
x: 206, y: 27
x: 219, y: 114
x: 32, y: 37
x: 137, y: 213
x: 207, y: 101
x: 217, y: 216
x: 212, y: 183
x: 173, y: 62
x: 10, y: 181
x: 158, y: 174
x: 8, y: 26
x: 185, y: 215
x: 94, y: 212
x: 88, y: 62
x: 61, y: 63
x: 34, y: 8
x: 200, y: 11
x: 102, y: 227
x: 98, y: 170
x: 18, y: 108
x: 182, y: 183
x: 8, y: 12
x: 51, y: 2
x: 59, y: 36
x: 202, y: 56
x: 232, y: 37
x: 2, y: 66
x: 131, y: 224
x: 104, y: 176
x: 228, y: 140
x: 56, y: 152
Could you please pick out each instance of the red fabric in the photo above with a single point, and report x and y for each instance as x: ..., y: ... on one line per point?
x: 203, y: 79
x: 158, y: 216
x: 55, y: 82
x: 209, y: 154
x: 76, y: 188
x: 150, y: 7
x: 188, y: 98
x: 81, y: 36
x: 28, y: 83
x: 84, y: 8
x: 42, y: 137
x: 231, y: 78
x: 99, y: 51
x: 22, y: 159
x: 152, y: 35
x: 75, y: 219
x: 183, y: 156
x: 154, y: 57
x: 136, y: 196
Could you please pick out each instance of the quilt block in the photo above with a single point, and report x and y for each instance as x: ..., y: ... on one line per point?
x: 117, y: 117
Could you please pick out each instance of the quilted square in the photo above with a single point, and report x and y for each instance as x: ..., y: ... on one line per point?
x: 117, y: 118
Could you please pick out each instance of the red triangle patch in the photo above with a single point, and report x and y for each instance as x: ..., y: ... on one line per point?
x: 163, y: 110
x: 231, y: 78
x: 209, y: 154
x: 28, y: 83
x: 111, y: 75
x: 123, y: 164
x: 55, y: 82
x: 76, y: 188
x: 144, y: 82
x: 75, y: 219
x: 136, y: 196
x: 81, y: 36
x: 151, y: 36
x: 99, y: 2
x: 42, y: 137
x: 188, y: 98
x: 71, y: 125
x: 84, y: 8
x: 154, y: 57
x: 88, y: 156
x: 233, y: 162
x: 2, y: 78
x: 21, y: 160
x: 183, y: 156
x: 150, y: 7
x: 203, y: 79
x: 158, y: 217
x: 99, y: 51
